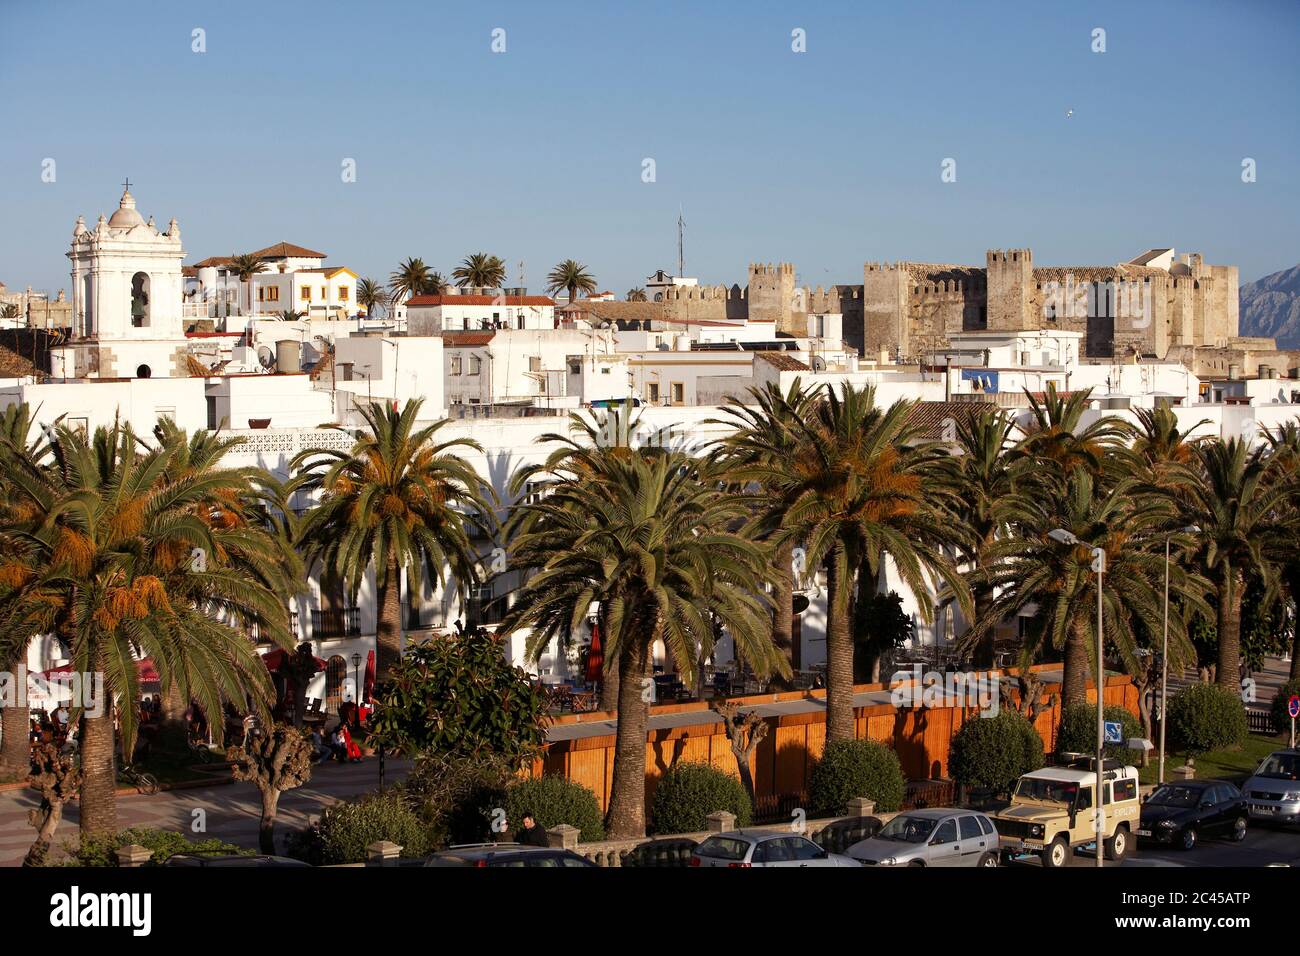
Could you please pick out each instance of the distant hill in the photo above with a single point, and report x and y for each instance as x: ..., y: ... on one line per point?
x: 1271, y: 307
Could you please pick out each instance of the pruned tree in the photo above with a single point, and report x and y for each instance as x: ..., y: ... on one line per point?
x: 274, y: 762
x: 1023, y: 693
x: 58, y: 778
x: 746, y: 730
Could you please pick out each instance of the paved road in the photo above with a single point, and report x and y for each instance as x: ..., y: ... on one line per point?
x: 1263, y: 846
x: 232, y: 811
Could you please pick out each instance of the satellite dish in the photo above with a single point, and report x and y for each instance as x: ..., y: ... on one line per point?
x: 265, y: 357
x: 818, y: 363
x: 799, y: 604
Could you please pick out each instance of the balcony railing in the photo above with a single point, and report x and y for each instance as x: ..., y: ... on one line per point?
x: 329, y: 623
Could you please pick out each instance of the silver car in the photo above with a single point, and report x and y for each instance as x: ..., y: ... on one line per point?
x: 741, y: 849
x: 937, y: 837
x: 1273, y: 793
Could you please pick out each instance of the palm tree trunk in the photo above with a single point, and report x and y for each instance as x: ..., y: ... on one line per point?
x: 982, y: 656
x: 99, y: 774
x: 839, y: 652
x: 173, y: 704
x: 388, y: 633
x: 625, y: 818
x: 1295, y: 656
x: 15, y: 744
x: 266, y: 827
x: 609, y: 669
x: 1074, y: 679
x: 1228, y: 673
x: 783, y: 605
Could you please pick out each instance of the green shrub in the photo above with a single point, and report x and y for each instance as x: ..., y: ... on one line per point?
x: 855, y: 768
x: 993, y: 752
x: 455, y: 796
x: 1281, y: 719
x: 689, y: 792
x: 555, y: 800
x: 99, y: 850
x: 1078, y: 733
x: 1204, y: 717
x: 346, y: 829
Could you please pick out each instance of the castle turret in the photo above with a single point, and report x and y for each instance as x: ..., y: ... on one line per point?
x: 1010, y: 289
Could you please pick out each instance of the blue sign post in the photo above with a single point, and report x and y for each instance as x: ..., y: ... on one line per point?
x: 1293, y: 708
x: 1114, y: 732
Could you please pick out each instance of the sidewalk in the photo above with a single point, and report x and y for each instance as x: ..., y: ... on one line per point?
x: 232, y: 810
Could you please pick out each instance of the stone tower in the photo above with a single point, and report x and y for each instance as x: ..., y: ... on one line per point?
x: 1010, y: 289
x: 772, y: 297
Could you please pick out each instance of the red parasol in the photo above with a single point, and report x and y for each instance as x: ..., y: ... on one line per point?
x: 595, y: 656
x: 147, y: 673
x: 276, y: 660
x: 369, y: 683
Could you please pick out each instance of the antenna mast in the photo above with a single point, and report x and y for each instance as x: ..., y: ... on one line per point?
x: 681, y: 258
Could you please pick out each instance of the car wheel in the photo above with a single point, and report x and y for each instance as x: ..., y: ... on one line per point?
x: 1057, y: 854
x: 1117, y: 846
x: 916, y: 863
x: 988, y: 859
x: 1238, y: 830
x: 1187, y: 839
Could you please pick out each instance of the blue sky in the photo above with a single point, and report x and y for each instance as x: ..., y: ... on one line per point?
x: 827, y: 158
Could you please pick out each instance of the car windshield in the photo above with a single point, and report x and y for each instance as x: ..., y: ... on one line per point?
x: 723, y: 848
x: 905, y: 829
x: 1052, y: 791
x: 1169, y: 796
x: 1280, y: 766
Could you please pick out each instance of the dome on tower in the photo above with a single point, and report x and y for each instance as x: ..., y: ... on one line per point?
x: 126, y: 216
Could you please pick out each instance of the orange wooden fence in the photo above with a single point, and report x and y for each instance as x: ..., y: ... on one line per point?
x: 783, y: 761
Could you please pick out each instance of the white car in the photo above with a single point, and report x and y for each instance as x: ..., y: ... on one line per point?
x: 741, y: 849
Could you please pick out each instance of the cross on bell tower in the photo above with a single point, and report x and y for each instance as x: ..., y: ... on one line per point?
x: 127, y: 185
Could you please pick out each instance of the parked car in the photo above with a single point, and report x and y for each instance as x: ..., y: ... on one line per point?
x: 230, y: 859
x: 507, y: 854
x: 745, y: 848
x: 1273, y: 792
x: 1051, y: 812
x: 931, y: 837
x: 1181, y: 813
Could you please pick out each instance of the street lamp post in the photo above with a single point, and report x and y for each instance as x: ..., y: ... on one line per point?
x: 1164, y: 655
x: 1099, y: 566
x: 356, y: 678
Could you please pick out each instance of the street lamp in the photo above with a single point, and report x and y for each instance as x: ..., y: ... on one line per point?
x: 1098, y: 565
x: 356, y: 678
x: 1164, y: 653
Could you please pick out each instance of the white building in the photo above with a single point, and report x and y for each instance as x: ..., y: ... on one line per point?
x: 431, y: 314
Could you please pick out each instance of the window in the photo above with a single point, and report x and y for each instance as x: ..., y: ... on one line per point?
x: 273, y: 294
x: 970, y: 828
x: 305, y: 293
x: 947, y: 833
x: 324, y: 294
x: 343, y: 293
x: 455, y: 365
x: 534, y: 363
x: 986, y: 825
x: 575, y: 369
x: 604, y: 370
x: 801, y: 849
x: 475, y: 364
x: 679, y: 393
x: 1125, y: 789
x: 652, y: 392
x: 773, y: 851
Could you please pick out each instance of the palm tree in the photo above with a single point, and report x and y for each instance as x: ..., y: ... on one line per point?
x: 245, y: 266
x: 412, y: 277
x: 371, y: 295
x: 635, y: 295
x: 984, y: 480
x: 25, y: 605
x: 402, y: 500
x: 573, y: 276
x: 1162, y: 453
x: 1036, y: 571
x: 149, y: 556
x: 765, y: 437
x: 1055, y: 434
x: 651, y: 541
x: 480, y: 271
x: 1284, y: 459
x: 855, y: 491
x: 290, y: 315
x: 1239, y: 503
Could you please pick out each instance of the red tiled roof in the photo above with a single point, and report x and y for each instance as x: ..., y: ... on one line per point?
x: 213, y: 262
x: 285, y: 250
x: 440, y: 300
x: 783, y: 362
